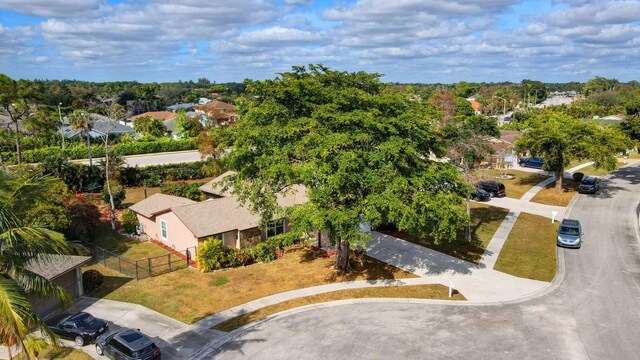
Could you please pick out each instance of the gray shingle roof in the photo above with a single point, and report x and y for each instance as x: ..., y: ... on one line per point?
x: 51, y: 266
x: 158, y: 203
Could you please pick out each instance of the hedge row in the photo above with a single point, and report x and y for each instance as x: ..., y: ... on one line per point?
x: 136, y: 176
x: 213, y: 255
x: 97, y: 150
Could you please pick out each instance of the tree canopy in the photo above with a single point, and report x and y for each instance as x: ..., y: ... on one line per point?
x: 560, y: 138
x: 361, y: 150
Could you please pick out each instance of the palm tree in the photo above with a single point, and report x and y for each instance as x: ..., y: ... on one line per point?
x: 21, y: 244
x: 80, y: 120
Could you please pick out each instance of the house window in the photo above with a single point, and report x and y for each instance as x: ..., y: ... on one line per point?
x: 275, y: 228
x: 163, y: 229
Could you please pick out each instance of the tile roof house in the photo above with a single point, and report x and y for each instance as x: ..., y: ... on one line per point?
x: 168, y: 118
x: 182, y: 223
x: 476, y: 106
x: 218, y: 111
x: 63, y: 270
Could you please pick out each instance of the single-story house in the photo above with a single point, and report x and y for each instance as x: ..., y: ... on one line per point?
x: 63, y: 270
x: 183, y: 106
x: 504, y: 148
x: 168, y: 118
x: 218, y: 111
x: 182, y: 223
x: 101, y: 126
x: 477, y: 107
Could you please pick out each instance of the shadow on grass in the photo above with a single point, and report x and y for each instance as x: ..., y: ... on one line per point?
x: 460, y: 248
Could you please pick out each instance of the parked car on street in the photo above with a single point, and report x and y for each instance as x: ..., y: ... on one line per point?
x: 127, y: 344
x: 533, y: 162
x: 82, y: 327
x: 480, y: 195
x: 494, y: 188
x: 589, y: 185
x: 569, y: 234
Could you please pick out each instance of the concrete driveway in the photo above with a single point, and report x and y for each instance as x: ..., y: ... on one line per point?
x: 591, y: 314
x: 167, y: 333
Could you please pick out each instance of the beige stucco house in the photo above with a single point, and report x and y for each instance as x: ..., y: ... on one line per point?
x: 182, y: 223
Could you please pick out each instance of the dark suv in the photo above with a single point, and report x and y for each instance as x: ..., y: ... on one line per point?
x: 494, y: 188
x: 589, y: 185
x: 127, y: 344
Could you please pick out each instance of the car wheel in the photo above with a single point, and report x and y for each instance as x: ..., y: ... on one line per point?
x: 79, y: 340
x: 99, y: 350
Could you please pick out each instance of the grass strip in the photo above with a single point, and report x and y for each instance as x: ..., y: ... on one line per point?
x: 530, y: 249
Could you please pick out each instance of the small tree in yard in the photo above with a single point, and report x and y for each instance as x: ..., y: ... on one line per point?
x: 559, y: 138
x: 360, y: 149
x: 468, y: 146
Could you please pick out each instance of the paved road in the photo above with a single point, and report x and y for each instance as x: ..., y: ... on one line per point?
x: 593, y: 314
x: 158, y: 159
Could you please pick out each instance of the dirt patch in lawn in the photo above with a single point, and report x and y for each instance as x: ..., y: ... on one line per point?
x: 485, y: 221
x: 550, y: 196
x: 414, y: 291
x: 530, y: 249
x: 189, y: 295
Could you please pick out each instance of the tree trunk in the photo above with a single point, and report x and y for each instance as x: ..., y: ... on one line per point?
x: 107, y: 170
x: 467, y: 229
x: 558, y: 174
x: 9, y: 352
x: 319, y: 239
x: 342, y: 256
x: 89, y: 148
x: 18, y: 150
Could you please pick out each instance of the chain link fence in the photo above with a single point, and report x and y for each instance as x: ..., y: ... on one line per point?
x: 144, y: 268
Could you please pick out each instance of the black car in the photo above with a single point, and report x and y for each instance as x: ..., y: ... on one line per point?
x: 589, y: 185
x: 480, y: 195
x: 127, y: 344
x: 81, y: 327
x: 494, y: 188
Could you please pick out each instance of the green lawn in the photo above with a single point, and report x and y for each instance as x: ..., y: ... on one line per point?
x: 433, y: 291
x: 125, y: 246
x: 189, y: 295
x: 485, y: 221
x: 530, y: 249
x: 521, y: 183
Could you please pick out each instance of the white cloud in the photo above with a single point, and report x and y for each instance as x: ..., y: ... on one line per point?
x: 614, y: 12
x: 54, y: 8
x: 278, y: 36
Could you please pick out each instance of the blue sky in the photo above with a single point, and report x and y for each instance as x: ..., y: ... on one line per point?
x: 407, y: 40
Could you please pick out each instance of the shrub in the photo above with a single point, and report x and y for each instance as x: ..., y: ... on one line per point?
x: 118, y: 193
x: 211, y: 255
x: 265, y: 252
x: 129, y: 221
x: 92, y: 279
x: 183, y: 189
x: 578, y: 176
x: 84, y: 217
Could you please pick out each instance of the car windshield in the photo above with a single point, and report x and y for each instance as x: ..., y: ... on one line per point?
x: 568, y: 230
x: 589, y: 181
x: 87, y: 319
x: 145, y: 351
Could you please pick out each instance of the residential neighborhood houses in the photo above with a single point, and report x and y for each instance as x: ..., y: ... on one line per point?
x: 433, y: 210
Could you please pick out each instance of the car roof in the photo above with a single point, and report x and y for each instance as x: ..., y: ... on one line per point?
x: 570, y: 222
x: 133, y: 339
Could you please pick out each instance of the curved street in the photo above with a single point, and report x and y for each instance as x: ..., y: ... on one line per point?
x: 594, y: 313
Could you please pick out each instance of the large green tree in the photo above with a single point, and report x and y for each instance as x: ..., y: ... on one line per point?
x: 361, y: 150
x: 559, y: 139
x: 20, y: 244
